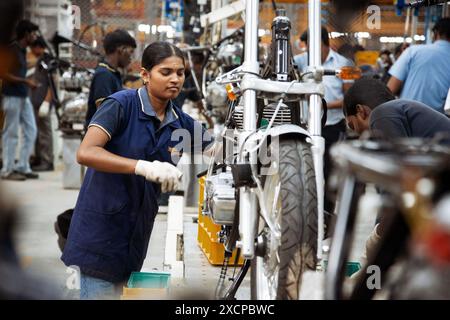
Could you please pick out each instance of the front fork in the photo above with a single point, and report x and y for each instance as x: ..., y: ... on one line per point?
x: 315, y: 121
x: 318, y: 150
x: 248, y: 214
x: 248, y: 219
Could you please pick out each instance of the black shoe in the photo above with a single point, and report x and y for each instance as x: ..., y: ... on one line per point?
x: 43, y: 167
x: 34, y: 161
x: 29, y: 175
x: 14, y: 176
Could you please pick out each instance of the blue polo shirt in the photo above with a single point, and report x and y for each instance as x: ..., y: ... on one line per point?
x: 333, y: 85
x: 425, y: 72
x: 19, y: 70
x: 114, y: 214
x: 105, y: 82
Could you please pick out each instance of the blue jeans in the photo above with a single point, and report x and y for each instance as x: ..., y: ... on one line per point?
x: 97, y: 289
x: 18, y: 113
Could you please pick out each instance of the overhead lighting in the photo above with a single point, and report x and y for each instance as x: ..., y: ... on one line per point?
x: 334, y: 34
x: 393, y: 39
x: 402, y: 39
x: 419, y: 37
x: 263, y: 32
x: 165, y: 28
x: 362, y: 35
x: 144, y: 28
x: 170, y: 34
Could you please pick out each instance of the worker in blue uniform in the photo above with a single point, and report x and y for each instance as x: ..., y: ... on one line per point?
x: 130, y: 149
x: 119, y: 48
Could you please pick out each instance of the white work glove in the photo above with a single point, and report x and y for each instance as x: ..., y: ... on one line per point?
x: 160, y: 172
x: 44, y: 109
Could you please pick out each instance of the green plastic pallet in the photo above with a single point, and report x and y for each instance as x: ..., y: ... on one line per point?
x: 149, y: 280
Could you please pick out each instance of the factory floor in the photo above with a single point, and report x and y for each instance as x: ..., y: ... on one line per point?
x: 41, y: 200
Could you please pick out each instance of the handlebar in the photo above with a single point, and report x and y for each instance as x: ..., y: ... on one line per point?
x: 329, y: 72
x: 235, y: 34
x: 196, y: 48
x: 344, y: 73
x: 425, y: 3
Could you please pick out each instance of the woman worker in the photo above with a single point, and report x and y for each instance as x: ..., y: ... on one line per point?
x: 128, y: 147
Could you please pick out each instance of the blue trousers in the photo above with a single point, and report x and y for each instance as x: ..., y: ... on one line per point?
x: 98, y: 289
x: 18, y: 114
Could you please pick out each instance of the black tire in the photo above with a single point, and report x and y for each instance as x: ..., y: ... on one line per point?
x: 298, y: 248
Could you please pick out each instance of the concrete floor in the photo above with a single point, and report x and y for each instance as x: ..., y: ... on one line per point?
x: 40, y: 201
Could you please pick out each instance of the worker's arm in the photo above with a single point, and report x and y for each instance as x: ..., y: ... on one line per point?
x: 339, y: 104
x: 93, y: 154
x: 48, y: 96
x: 395, y: 85
x: 8, y: 77
x: 44, y: 108
x: 104, y: 125
x: 399, y: 71
x: 109, y: 120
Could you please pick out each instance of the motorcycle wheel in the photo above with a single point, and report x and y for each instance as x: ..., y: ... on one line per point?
x: 291, y: 201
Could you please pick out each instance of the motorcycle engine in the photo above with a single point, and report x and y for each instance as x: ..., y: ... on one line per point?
x: 283, y: 116
x: 217, y: 102
x: 220, y: 197
x: 230, y: 54
x: 74, y: 86
x: 74, y: 113
x: 216, y: 95
x: 74, y: 81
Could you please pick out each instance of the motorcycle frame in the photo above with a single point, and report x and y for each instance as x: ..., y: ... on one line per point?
x: 357, y: 167
x: 250, y: 85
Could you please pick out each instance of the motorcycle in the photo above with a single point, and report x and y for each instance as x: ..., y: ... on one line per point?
x: 412, y: 258
x: 266, y: 191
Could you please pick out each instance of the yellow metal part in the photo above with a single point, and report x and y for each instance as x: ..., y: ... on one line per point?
x: 207, y: 237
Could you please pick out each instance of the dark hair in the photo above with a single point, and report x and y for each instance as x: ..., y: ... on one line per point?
x: 385, y: 52
x: 40, y: 42
x: 442, y: 27
x: 400, y: 48
x: 156, y: 52
x: 367, y: 91
x: 24, y: 27
x: 325, y: 38
x: 116, y: 39
x: 358, y: 47
x: 347, y: 50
